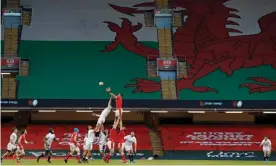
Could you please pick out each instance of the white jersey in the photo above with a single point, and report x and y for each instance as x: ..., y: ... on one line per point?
x: 85, y: 139
x: 103, y: 138
x: 104, y: 114
x: 129, y: 140
x: 90, y: 136
x: 50, y: 138
x: 12, y: 144
x: 13, y: 138
x: 266, y: 143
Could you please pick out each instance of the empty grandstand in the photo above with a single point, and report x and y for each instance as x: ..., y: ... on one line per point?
x: 193, y: 81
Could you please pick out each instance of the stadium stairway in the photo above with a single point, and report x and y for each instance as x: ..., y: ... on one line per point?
x: 182, y: 69
x: 165, y: 52
x: 27, y: 16
x: 165, y: 42
x: 160, y: 4
x: 11, y: 41
x: 24, y: 68
x: 156, y: 143
x: 149, y: 18
x: 151, y: 68
x: 9, y: 88
x: 168, y: 89
x: 177, y: 19
x: 13, y: 3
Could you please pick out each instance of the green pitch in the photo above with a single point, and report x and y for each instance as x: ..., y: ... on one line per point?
x: 143, y: 162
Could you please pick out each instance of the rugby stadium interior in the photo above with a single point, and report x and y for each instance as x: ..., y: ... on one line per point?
x: 197, y: 79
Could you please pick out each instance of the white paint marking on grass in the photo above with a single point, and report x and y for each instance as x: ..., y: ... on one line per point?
x: 143, y: 165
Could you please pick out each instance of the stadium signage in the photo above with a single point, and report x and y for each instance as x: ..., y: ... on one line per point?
x: 167, y: 64
x: 220, y: 154
x: 10, y: 63
x: 64, y: 153
x: 220, y: 139
x: 141, y: 104
x: 96, y: 155
x: 227, y: 136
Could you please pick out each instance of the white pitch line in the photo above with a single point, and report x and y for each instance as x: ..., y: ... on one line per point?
x: 145, y: 165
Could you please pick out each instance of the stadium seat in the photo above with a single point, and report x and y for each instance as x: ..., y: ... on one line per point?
x: 62, y: 131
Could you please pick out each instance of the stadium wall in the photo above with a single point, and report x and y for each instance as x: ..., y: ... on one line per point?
x: 68, y: 43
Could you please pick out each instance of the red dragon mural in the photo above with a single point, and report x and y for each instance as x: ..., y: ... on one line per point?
x: 204, y: 40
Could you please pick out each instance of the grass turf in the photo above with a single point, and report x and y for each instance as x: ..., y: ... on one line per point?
x: 142, y: 162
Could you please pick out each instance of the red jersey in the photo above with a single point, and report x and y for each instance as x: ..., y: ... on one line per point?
x: 112, y: 135
x: 121, y: 136
x: 21, y: 140
x: 73, y: 138
x: 119, y: 102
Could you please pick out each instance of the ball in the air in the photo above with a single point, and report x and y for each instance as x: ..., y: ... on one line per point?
x: 101, y: 83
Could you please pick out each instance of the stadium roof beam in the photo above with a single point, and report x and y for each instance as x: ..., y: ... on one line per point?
x: 234, y: 112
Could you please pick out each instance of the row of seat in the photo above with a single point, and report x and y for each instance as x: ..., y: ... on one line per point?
x: 37, y: 132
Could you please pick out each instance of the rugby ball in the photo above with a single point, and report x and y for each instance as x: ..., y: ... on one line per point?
x: 35, y: 102
x: 101, y: 83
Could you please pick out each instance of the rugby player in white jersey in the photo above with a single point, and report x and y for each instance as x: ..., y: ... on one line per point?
x: 103, y: 116
x: 266, y: 143
x: 103, y: 141
x: 48, y: 140
x: 129, y: 141
x: 88, y: 143
x: 11, y: 146
x: 84, y: 149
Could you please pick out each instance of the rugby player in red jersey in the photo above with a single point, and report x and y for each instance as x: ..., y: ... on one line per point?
x: 74, y: 146
x: 121, y: 142
x: 119, y: 102
x: 20, y: 149
x: 112, y: 140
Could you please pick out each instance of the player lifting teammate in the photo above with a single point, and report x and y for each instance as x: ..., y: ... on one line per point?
x: 112, y: 139
x: 88, y: 144
x: 129, y: 141
x: 116, y: 137
x: 266, y: 143
x: 103, y: 116
x: 11, y: 146
x: 48, y: 140
x: 74, y: 146
x: 103, y: 141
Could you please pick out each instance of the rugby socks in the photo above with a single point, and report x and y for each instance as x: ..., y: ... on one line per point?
x: 38, y: 158
x: 108, y: 157
x: 49, y: 158
x: 42, y: 155
x: 123, y: 157
x: 68, y: 156
x: 132, y: 157
x: 102, y: 154
x: 129, y: 157
x: 79, y: 158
